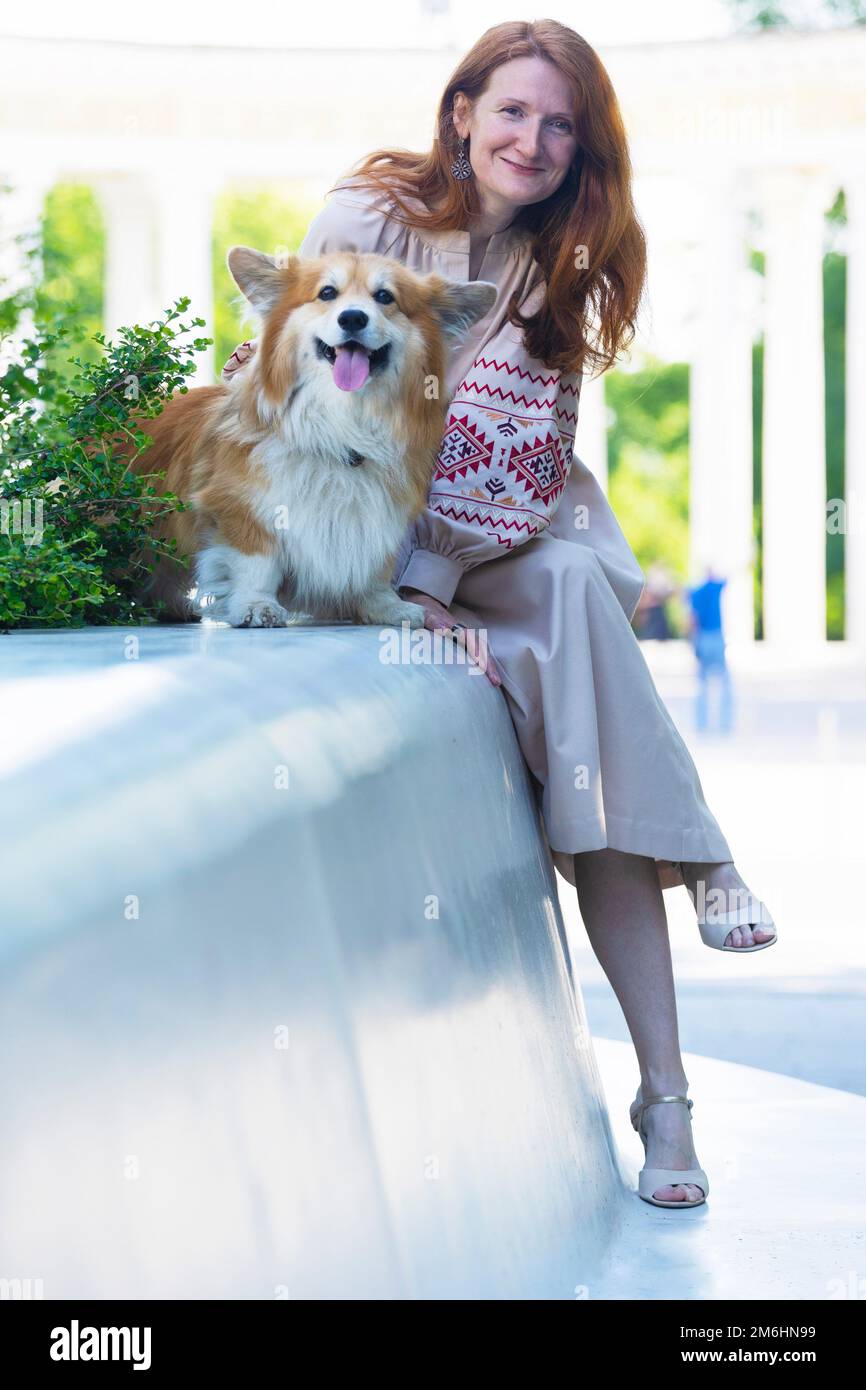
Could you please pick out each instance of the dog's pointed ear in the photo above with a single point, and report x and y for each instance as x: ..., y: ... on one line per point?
x: 262, y: 279
x: 458, y: 306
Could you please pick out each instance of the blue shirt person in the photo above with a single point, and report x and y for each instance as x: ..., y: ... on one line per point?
x: 709, y: 646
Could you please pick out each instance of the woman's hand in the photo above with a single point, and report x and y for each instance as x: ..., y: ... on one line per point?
x: 438, y: 619
x: 241, y: 355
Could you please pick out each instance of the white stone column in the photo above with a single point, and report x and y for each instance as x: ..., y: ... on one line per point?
x: 794, y: 471
x: 184, y: 224
x: 590, y: 441
x: 720, y: 406
x: 855, y: 413
x: 128, y: 211
x: 158, y: 233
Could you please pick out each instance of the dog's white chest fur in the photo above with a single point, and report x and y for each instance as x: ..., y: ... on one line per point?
x: 334, y: 524
x: 332, y: 527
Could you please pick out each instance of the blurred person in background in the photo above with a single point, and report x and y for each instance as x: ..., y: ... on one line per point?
x: 652, y: 611
x: 708, y: 642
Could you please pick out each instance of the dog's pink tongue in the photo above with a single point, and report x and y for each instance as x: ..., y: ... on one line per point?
x: 351, y: 368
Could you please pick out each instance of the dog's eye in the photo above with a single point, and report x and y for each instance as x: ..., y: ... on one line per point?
x: 384, y: 296
x: 327, y: 292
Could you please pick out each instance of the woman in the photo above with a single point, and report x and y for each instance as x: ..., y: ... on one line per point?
x: 528, y: 186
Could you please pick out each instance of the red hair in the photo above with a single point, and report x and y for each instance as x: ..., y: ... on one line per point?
x: 592, y: 207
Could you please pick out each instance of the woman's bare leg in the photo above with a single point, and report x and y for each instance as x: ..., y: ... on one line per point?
x: 622, y: 907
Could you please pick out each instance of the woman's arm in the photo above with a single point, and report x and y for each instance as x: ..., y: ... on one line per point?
x: 504, y: 462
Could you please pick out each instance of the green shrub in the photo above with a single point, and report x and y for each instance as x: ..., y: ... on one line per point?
x: 74, y: 518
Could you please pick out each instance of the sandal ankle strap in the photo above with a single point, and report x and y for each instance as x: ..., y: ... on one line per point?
x: 656, y: 1100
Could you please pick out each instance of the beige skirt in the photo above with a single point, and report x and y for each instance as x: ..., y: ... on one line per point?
x: 609, y: 766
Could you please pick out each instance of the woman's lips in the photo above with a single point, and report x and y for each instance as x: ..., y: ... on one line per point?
x: 521, y: 168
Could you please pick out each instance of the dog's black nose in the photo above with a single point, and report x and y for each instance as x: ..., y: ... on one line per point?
x: 352, y: 320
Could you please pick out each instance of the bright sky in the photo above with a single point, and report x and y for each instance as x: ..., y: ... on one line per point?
x: 345, y: 23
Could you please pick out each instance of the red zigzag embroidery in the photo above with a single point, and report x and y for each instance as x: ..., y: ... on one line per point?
x: 513, y: 367
x: 497, y: 391
x: 510, y: 367
x: 460, y: 515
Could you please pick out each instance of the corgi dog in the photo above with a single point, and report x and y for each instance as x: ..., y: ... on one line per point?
x: 303, y: 473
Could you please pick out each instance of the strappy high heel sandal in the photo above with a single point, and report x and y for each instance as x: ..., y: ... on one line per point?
x: 753, y: 913
x: 651, y: 1178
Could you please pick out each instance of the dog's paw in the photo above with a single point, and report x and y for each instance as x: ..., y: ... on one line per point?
x: 391, y: 611
x: 259, y: 612
x: 412, y: 613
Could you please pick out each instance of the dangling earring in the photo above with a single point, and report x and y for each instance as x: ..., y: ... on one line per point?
x: 461, y: 168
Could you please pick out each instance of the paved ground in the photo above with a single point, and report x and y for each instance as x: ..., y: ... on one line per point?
x: 785, y: 1217
x: 789, y: 789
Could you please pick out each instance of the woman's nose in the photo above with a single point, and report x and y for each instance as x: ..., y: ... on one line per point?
x: 529, y: 145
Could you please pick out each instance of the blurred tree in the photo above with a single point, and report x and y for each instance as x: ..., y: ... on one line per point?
x: 835, y: 266
x: 798, y: 14
x: 73, y: 268
x: 757, y: 479
x: 648, y: 461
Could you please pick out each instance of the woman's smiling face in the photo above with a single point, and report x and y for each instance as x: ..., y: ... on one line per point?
x: 522, y: 135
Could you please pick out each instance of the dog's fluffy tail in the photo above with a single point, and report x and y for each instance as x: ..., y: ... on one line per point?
x: 170, y: 582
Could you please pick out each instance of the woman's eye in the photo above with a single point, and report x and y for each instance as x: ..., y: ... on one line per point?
x: 563, y: 125
x: 384, y: 296
x: 327, y: 292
